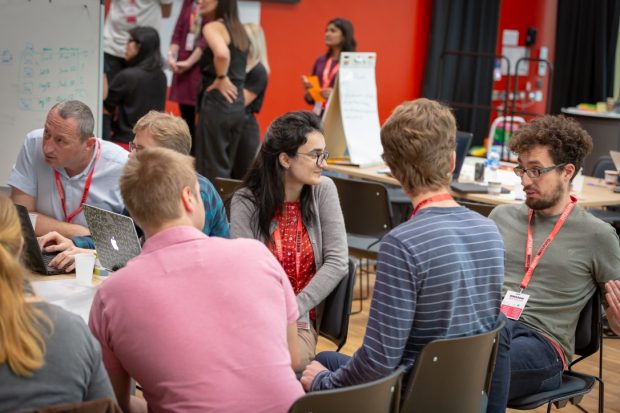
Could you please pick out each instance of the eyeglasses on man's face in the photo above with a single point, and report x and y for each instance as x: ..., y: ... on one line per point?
x: 536, y: 172
x: 320, y: 156
x: 134, y: 148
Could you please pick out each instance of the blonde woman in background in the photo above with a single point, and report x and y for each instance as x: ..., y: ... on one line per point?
x: 257, y: 72
x: 47, y: 355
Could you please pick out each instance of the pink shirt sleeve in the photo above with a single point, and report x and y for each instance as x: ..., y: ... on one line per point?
x: 99, y: 327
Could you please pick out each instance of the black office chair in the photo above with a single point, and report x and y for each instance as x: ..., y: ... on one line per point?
x: 379, y: 396
x: 611, y: 214
x: 588, y: 340
x: 453, y: 375
x: 226, y: 187
x: 367, y: 217
x: 479, y: 207
x: 337, y: 309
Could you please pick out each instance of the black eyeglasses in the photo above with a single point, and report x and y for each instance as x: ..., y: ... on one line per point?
x: 134, y: 147
x: 320, y: 156
x: 534, y: 173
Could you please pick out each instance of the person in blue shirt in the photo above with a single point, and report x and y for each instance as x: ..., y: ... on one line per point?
x: 155, y: 129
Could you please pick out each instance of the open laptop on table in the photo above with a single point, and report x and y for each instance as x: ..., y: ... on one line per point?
x: 114, y: 235
x: 463, y: 142
x: 32, y: 256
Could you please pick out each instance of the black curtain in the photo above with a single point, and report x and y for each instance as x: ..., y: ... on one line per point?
x: 466, y: 26
x: 586, y: 36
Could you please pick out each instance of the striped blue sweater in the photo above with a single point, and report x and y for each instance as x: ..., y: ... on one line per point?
x: 439, y: 275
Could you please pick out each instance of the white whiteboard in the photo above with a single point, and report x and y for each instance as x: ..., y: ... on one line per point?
x: 50, y: 50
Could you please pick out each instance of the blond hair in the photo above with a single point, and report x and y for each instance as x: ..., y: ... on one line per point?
x: 418, y: 140
x: 167, y: 130
x: 22, y: 345
x: 152, y: 183
x: 258, y: 46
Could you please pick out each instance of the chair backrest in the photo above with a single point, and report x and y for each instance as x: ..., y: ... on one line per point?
x: 93, y: 406
x: 226, y: 187
x: 479, y: 207
x: 603, y: 164
x: 337, y: 309
x: 452, y: 375
x: 379, y: 396
x: 588, y: 330
x: 365, y: 206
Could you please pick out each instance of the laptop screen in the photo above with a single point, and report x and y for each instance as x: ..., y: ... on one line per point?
x: 463, y: 142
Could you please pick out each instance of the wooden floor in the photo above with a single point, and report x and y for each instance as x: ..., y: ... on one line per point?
x: 611, y: 362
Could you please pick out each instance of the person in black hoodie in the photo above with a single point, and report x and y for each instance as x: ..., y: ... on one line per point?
x: 137, y: 89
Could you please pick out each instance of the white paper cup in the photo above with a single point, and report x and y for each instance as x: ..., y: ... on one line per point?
x: 611, y: 177
x: 494, y: 188
x: 84, y: 266
x: 33, y: 220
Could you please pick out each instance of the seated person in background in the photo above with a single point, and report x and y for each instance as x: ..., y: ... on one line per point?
x: 442, y: 268
x: 199, y: 328
x: 63, y: 166
x: 557, y: 280
x: 138, y: 88
x: 285, y: 203
x: 153, y: 130
x: 47, y: 355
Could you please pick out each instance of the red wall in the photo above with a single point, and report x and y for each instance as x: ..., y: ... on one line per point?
x: 519, y: 15
x: 397, y: 31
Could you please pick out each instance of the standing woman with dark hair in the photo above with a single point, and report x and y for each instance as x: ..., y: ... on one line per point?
x: 47, y: 355
x: 339, y: 37
x: 285, y: 203
x: 137, y: 89
x: 223, y: 65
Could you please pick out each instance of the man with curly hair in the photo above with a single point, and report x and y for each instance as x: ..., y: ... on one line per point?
x: 556, y: 256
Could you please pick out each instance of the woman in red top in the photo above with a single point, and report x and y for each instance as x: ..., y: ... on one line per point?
x: 286, y: 203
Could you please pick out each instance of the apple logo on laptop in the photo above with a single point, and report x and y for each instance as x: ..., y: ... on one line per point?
x: 114, y: 245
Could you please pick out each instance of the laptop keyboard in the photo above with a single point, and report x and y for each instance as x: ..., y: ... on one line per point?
x: 47, y: 258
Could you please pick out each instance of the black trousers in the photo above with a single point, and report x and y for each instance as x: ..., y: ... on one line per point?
x: 248, y: 146
x: 219, y: 131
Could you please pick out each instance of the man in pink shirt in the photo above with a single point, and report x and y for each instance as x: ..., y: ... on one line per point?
x: 203, y: 324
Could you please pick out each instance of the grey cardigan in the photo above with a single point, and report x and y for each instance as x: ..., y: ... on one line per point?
x: 326, y: 232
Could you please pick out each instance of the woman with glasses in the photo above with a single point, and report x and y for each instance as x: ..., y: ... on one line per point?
x: 47, y: 355
x: 137, y: 89
x: 285, y: 203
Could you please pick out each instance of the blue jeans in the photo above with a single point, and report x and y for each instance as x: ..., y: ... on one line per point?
x: 526, y: 363
x: 332, y: 360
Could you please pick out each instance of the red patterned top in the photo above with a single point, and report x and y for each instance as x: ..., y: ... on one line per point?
x: 291, y: 231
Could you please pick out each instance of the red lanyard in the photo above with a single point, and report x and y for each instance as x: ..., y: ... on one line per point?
x: 530, y: 265
x: 61, y: 192
x: 329, y: 72
x: 431, y: 200
x: 277, y: 239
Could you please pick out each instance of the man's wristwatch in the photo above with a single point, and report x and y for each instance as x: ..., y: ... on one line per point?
x: 220, y: 76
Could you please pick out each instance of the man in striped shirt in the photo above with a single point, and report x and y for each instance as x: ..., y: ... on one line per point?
x: 438, y: 275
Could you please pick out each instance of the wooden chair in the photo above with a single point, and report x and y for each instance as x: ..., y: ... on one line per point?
x: 588, y: 340
x: 337, y: 310
x: 226, y: 187
x: 453, y: 374
x: 379, y: 396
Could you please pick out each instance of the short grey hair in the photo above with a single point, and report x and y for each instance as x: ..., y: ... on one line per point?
x: 74, y: 109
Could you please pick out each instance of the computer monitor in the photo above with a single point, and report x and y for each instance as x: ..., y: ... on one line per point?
x: 463, y: 142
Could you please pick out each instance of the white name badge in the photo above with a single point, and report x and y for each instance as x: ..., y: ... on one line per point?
x: 303, y: 322
x: 513, y: 304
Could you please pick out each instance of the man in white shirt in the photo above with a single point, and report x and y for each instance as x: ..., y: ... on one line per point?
x: 63, y: 166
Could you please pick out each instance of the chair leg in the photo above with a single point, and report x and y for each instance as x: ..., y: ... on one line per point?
x: 360, y: 299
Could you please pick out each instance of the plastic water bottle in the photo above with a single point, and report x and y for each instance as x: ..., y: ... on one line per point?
x: 492, y: 167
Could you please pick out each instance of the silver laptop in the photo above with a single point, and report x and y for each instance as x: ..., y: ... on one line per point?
x: 114, y: 235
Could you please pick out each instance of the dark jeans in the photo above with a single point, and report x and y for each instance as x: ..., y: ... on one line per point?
x: 526, y: 363
x: 332, y: 360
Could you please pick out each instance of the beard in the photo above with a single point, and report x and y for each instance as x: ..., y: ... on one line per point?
x: 544, y: 202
